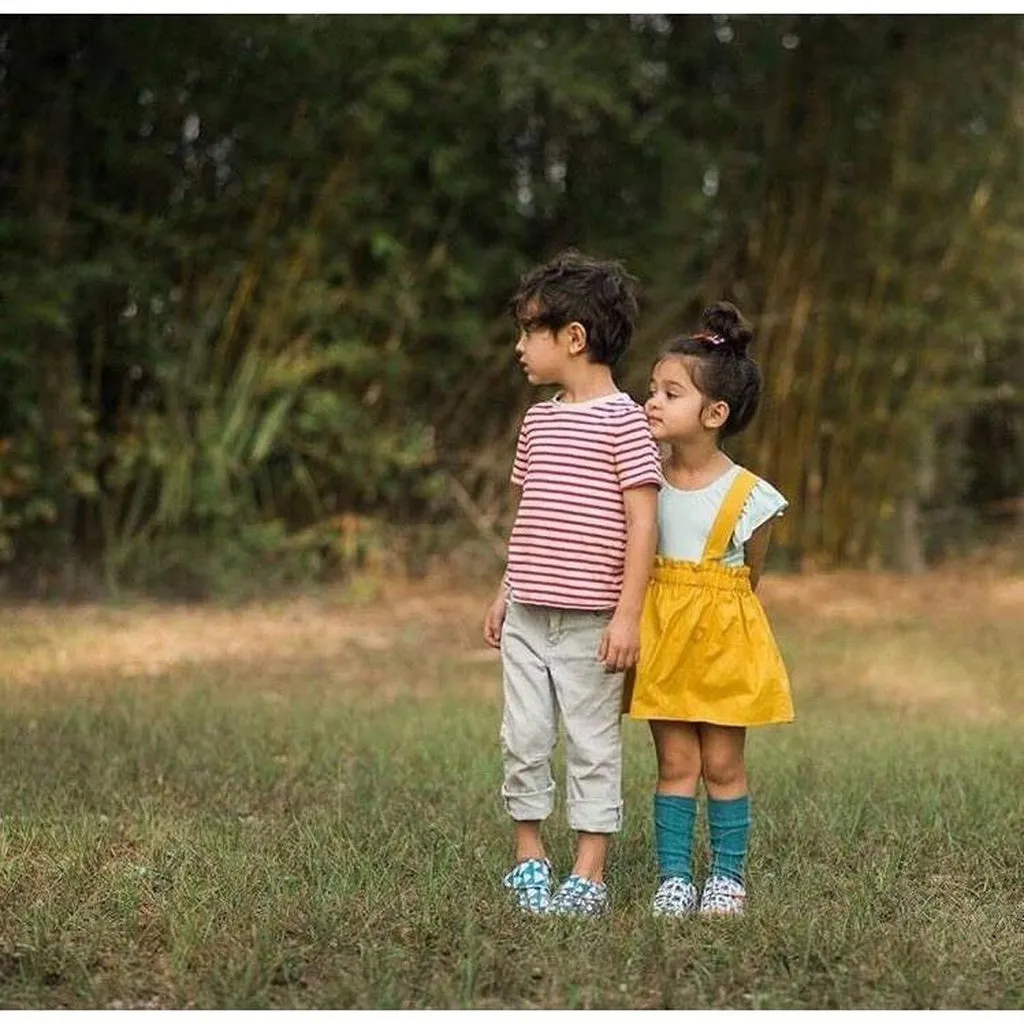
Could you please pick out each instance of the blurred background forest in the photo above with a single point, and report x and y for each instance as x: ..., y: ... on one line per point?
x: 255, y: 271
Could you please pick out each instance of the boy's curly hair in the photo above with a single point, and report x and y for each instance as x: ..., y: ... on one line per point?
x: 599, y: 294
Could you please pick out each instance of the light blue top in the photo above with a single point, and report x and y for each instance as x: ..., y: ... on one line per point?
x: 685, y: 518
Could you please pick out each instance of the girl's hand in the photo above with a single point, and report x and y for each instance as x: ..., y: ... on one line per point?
x: 493, y: 621
x: 620, y: 643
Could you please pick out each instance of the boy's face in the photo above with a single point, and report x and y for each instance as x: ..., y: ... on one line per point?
x: 543, y: 352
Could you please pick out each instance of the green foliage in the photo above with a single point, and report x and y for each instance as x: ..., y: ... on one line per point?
x: 255, y: 267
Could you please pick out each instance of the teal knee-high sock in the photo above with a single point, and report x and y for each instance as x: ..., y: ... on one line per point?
x: 674, y: 818
x: 729, y: 825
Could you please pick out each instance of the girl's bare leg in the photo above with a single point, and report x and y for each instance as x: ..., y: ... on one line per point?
x: 721, y: 760
x: 677, y: 745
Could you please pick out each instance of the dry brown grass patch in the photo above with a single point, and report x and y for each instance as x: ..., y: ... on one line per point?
x: 398, y: 644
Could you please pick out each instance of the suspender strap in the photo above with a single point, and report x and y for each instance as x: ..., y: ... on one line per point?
x: 728, y: 513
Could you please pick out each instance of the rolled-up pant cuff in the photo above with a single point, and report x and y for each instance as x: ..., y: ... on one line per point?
x: 535, y: 806
x: 595, y: 816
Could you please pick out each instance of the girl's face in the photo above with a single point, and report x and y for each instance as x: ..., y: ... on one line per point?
x: 675, y: 409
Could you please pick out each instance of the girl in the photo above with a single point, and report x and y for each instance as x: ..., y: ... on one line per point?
x: 709, y: 666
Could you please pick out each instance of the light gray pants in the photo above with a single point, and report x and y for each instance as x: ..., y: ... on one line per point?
x: 550, y: 668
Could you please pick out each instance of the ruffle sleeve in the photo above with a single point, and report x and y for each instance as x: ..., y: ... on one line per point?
x: 764, y: 503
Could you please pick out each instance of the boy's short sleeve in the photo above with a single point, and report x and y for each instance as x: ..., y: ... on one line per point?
x: 519, y: 465
x: 764, y: 503
x: 637, y: 459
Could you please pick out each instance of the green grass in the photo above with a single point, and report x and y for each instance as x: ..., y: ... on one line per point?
x: 240, y: 836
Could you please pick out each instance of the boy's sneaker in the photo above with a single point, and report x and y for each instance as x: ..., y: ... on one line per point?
x: 722, y: 895
x: 580, y: 897
x: 530, y: 882
x: 676, y: 897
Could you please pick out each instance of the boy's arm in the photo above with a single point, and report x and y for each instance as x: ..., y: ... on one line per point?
x: 517, y: 496
x: 620, y: 644
x: 495, y: 617
x: 755, y: 551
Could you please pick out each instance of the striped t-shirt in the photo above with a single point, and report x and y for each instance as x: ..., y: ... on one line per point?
x: 573, y: 461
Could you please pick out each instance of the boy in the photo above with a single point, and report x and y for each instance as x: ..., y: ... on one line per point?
x: 567, y: 615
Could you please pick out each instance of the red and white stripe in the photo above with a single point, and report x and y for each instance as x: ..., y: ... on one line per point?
x: 573, y: 461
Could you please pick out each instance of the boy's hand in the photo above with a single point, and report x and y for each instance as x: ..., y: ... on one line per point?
x: 494, y: 620
x: 620, y: 643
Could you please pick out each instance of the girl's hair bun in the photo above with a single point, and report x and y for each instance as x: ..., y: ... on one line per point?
x: 725, y: 321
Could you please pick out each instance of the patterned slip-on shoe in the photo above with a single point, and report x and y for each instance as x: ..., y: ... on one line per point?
x: 530, y: 882
x: 580, y: 897
x: 723, y: 895
x: 675, y: 897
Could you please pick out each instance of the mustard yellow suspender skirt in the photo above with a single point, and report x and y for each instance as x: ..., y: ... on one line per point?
x: 707, y: 653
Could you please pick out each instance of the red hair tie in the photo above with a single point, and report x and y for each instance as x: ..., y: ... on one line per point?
x: 708, y: 336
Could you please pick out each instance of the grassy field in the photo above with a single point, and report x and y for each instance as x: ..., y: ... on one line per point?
x: 295, y: 805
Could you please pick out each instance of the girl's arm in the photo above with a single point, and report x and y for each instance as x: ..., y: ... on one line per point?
x: 755, y: 551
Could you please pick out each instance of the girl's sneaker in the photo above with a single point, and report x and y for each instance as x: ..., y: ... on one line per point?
x: 530, y: 882
x: 675, y: 897
x: 723, y: 895
x: 580, y: 897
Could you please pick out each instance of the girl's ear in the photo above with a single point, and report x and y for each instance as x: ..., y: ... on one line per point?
x: 714, y: 415
x: 577, y: 337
